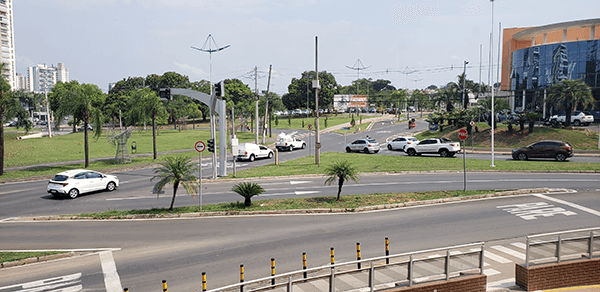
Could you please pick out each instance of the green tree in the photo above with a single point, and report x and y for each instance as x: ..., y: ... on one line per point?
x: 59, y: 104
x: 341, y: 171
x: 145, y: 104
x: 568, y: 95
x: 248, y: 190
x: 175, y: 171
x: 9, y: 108
x: 297, y: 91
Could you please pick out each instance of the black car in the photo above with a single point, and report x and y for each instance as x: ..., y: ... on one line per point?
x: 558, y: 150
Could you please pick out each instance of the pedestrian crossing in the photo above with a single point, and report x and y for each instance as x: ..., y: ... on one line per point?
x: 68, y: 283
x: 499, y: 266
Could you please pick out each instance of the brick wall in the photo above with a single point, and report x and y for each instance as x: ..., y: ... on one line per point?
x: 472, y: 283
x: 557, y: 275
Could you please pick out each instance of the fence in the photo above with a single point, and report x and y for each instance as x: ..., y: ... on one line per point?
x: 558, y: 246
x: 464, y: 258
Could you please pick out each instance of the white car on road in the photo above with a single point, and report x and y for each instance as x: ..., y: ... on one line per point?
x: 251, y: 151
x: 442, y: 146
x: 578, y: 118
x: 400, y: 143
x: 289, y: 142
x: 71, y: 183
x: 363, y: 145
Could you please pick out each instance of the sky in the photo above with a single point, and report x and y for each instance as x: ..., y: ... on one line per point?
x: 413, y: 44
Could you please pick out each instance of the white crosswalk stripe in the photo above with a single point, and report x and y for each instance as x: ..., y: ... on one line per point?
x: 496, y: 258
x: 68, y: 283
x: 509, y: 251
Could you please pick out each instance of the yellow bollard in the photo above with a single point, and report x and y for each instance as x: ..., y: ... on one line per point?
x: 125, y: 290
x: 332, y: 257
x: 164, y: 282
x: 272, y: 271
x: 203, y: 281
x: 242, y: 277
x: 304, y: 263
x: 387, y: 250
x: 358, y: 254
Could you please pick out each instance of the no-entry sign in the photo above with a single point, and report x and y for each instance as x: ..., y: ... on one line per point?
x: 199, y: 146
x: 462, y: 134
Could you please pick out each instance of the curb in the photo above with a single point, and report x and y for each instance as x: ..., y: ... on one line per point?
x: 297, y: 211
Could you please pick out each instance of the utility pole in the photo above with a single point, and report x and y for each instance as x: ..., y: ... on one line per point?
x: 464, y: 84
x: 317, y: 86
x: 266, y: 106
x: 256, y: 104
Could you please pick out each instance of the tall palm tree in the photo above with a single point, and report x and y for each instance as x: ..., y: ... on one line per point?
x: 342, y: 171
x: 568, y: 95
x: 248, y: 190
x: 176, y: 171
x: 145, y: 104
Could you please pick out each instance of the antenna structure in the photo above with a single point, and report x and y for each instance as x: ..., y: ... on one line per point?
x: 416, y: 79
x: 358, y: 65
x: 208, y: 48
x: 406, y: 72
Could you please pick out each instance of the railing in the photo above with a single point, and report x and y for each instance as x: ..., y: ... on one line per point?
x: 561, y: 245
x: 469, y: 259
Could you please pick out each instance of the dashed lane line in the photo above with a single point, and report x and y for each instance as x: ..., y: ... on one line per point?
x: 573, y: 205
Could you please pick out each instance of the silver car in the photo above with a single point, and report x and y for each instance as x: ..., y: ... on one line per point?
x: 363, y: 145
x: 71, y: 183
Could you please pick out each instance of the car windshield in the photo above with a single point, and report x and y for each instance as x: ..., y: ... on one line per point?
x: 372, y: 140
x: 59, y: 177
x: 413, y: 139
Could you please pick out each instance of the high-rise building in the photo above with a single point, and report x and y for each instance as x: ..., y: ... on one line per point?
x: 41, y: 78
x: 7, y: 42
x: 22, y: 82
x: 62, y: 73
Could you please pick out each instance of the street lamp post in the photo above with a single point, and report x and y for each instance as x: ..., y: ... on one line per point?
x: 493, y: 117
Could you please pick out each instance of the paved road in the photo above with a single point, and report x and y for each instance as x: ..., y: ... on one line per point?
x: 179, y: 250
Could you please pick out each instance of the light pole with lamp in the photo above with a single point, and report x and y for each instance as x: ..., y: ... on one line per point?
x: 493, y: 117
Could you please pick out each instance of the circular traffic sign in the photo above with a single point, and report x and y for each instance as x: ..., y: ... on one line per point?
x: 413, y: 125
x: 472, y: 123
x: 462, y: 134
x: 199, y: 146
x: 309, y: 126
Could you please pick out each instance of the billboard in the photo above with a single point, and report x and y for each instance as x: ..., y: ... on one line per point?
x: 341, y: 102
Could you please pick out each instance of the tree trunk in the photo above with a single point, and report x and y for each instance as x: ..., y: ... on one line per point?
x: 248, y: 201
x: 531, y: 125
x: 154, y: 137
x: 175, y: 186
x: 340, y: 184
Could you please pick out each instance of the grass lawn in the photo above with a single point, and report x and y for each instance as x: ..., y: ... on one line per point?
x: 348, y: 203
x: 17, y: 256
x: 581, y: 139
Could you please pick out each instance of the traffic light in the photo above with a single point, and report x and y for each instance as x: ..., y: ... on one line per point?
x: 219, y: 89
x: 165, y: 93
x: 211, y: 145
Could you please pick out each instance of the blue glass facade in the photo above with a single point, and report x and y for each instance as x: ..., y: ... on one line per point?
x: 540, y: 67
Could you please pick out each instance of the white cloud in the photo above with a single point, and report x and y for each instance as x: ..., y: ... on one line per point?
x: 404, y: 14
x: 189, y: 68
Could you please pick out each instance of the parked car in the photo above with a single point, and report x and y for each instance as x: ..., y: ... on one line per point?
x: 90, y: 128
x: 442, y: 146
x: 363, y: 145
x: 251, y: 151
x: 558, y: 150
x: 42, y: 123
x: 11, y: 124
x: 71, y: 183
x: 289, y: 142
x: 400, y: 143
x: 578, y: 118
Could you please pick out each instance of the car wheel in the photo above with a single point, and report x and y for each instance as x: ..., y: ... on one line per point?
x: 366, y: 150
x: 251, y: 157
x: 444, y: 153
x: 376, y: 151
x: 303, y: 146
x: 111, y: 186
x: 348, y: 149
x: 577, y: 123
x: 560, y: 157
x: 522, y: 156
x: 389, y: 147
x: 73, y: 193
x: 290, y: 148
x: 411, y: 152
x: 270, y: 155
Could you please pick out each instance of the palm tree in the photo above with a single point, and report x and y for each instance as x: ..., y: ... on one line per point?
x: 144, y: 104
x: 342, y: 171
x: 175, y: 171
x: 248, y: 190
x: 568, y: 95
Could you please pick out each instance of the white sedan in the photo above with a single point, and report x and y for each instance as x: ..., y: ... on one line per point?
x: 71, y: 183
x: 400, y: 143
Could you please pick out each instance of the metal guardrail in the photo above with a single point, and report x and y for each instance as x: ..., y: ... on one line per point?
x: 557, y: 243
x: 371, y: 266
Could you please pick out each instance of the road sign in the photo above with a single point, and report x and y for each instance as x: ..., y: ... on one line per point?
x: 309, y: 126
x: 462, y: 134
x: 413, y: 125
x: 472, y: 123
x: 199, y: 146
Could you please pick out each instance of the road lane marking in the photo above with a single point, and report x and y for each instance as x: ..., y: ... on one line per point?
x: 73, y: 280
x: 490, y: 272
x: 496, y: 258
x: 573, y: 205
x: 297, y: 193
x: 109, y: 269
x: 519, y: 245
x: 509, y: 251
x: 530, y: 211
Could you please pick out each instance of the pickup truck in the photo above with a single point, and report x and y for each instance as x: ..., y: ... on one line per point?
x: 578, y: 118
x: 251, y: 151
x: 442, y: 146
x: 289, y: 142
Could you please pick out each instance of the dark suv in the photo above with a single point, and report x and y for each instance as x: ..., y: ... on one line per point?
x: 558, y: 150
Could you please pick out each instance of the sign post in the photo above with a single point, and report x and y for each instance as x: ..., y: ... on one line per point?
x: 199, y: 146
x: 462, y: 135
x: 309, y: 130
x: 472, y: 123
x: 345, y: 129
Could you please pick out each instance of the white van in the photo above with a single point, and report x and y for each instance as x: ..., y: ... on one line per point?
x: 251, y: 151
